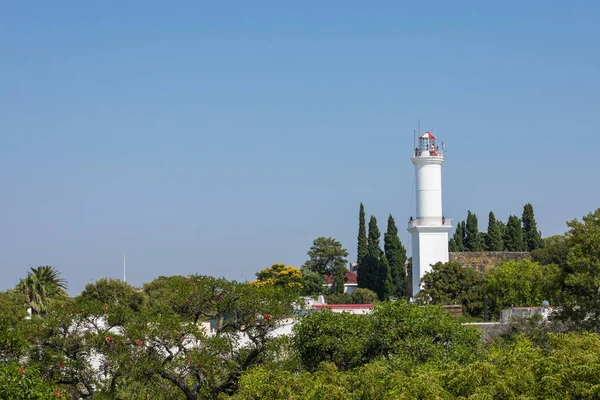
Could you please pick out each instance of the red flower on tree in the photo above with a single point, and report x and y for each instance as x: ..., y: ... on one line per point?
x: 139, y: 342
x: 267, y: 316
x: 21, y: 371
x: 108, y: 339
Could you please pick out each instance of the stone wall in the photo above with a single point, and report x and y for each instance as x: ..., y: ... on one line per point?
x: 484, y: 260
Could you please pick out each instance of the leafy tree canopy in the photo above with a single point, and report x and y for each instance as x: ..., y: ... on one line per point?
x: 326, y: 256
x: 280, y: 275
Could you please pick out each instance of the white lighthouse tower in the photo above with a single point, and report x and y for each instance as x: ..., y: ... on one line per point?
x: 430, y: 228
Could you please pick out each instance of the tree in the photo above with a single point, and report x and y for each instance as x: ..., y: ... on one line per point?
x: 457, y: 243
x: 580, y: 305
x: 326, y: 256
x: 18, y: 383
x: 472, y: 236
x: 362, y: 235
x: 340, y: 338
x: 281, y: 276
x: 13, y: 326
x: 385, y: 276
x: 531, y: 235
x: 374, y: 273
x: 312, y: 282
x: 513, y: 235
x: 339, y: 279
x: 452, y: 283
x: 396, y: 256
x: 521, y: 284
x: 555, y: 250
x: 494, y: 234
x: 41, y: 285
x: 170, y: 346
x: 114, y: 292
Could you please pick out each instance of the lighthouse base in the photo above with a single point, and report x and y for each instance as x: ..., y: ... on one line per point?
x: 429, y: 246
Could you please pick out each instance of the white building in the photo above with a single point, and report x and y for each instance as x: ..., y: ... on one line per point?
x: 430, y: 228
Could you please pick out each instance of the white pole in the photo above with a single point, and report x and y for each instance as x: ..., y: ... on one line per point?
x: 124, y: 269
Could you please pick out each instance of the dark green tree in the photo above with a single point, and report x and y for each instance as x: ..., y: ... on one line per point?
x: 494, y: 235
x: 385, y: 277
x: 554, y: 251
x: 580, y: 302
x: 472, y: 236
x: 513, y: 235
x: 372, y: 272
x: 326, y: 256
x: 531, y: 235
x: 452, y: 283
x: 339, y: 279
x: 362, y: 235
x: 396, y: 257
x: 312, y: 282
x: 457, y: 243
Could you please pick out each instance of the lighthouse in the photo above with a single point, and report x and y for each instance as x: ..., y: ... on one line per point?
x: 430, y: 228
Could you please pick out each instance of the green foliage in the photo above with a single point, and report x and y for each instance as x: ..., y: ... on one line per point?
x: 408, y: 333
x: 114, y: 292
x: 41, y: 285
x: 494, y: 235
x: 395, y: 254
x: 532, y: 238
x: 340, y: 338
x: 457, y: 243
x: 419, y: 334
x: 312, y: 282
x: 581, y: 287
x: 554, y: 251
x: 362, y: 235
x: 521, y: 284
x: 24, y: 383
x: 473, y: 240
x: 374, y: 271
x: 569, y: 368
x: 326, y: 256
x: 358, y: 296
x: 451, y: 283
x: 13, y: 326
x: 513, y: 235
x: 339, y: 280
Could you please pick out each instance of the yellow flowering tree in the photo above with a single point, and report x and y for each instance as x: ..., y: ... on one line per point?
x: 279, y: 275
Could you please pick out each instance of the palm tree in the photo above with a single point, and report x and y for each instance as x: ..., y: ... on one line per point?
x: 42, y: 284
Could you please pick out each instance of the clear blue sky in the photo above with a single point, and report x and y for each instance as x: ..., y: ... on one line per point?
x: 219, y: 138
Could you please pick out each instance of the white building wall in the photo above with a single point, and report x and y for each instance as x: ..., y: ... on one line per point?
x: 432, y: 248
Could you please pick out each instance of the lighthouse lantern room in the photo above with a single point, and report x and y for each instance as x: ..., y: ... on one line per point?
x: 430, y: 228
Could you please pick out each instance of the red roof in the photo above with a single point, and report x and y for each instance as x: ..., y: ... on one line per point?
x: 428, y: 135
x: 343, y: 306
x: 349, y: 277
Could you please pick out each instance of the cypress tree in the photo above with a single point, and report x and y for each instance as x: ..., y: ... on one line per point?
x: 362, y: 235
x: 531, y: 236
x: 502, y: 229
x: 452, y: 246
x: 472, y: 237
x: 368, y: 268
x: 395, y: 255
x: 339, y: 279
x: 494, y: 234
x: 386, y: 286
x: 513, y: 236
x: 457, y: 243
